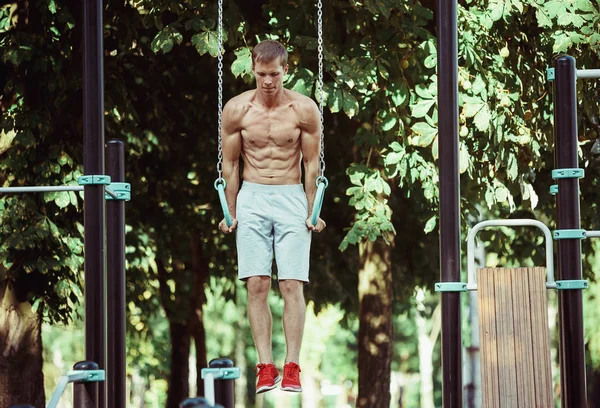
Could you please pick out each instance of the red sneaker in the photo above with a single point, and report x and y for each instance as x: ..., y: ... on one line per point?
x: 268, y: 377
x: 291, y: 378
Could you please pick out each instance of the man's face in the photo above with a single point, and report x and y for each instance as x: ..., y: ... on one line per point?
x: 269, y: 76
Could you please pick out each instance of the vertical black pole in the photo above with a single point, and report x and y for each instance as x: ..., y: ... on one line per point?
x: 115, y: 281
x: 572, y: 356
x: 447, y: 70
x: 94, y: 210
x: 85, y: 394
x: 224, y: 389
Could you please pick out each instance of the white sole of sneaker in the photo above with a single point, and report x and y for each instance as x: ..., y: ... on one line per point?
x: 266, y: 388
x: 290, y: 389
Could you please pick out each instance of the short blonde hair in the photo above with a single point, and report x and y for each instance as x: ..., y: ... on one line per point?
x: 268, y: 51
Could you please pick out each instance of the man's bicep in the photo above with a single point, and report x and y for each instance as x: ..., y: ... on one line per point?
x: 232, y: 144
x: 231, y: 138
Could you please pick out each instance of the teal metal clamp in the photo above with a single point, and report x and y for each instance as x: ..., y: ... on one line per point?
x: 569, y: 234
x: 93, y: 180
x: 209, y: 375
x: 75, y: 376
x: 229, y: 373
x: 450, y: 287
x: 571, y: 284
x: 550, y: 74
x: 567, y: 173
x: 554, y: 189
x: 118, y: 191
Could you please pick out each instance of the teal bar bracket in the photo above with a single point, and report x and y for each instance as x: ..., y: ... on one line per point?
x: 554, y: 189
x: 571, y: 284
x: 229, y: 373
x: 567, y: 173
x: 74, y: 376
x: 122, y: 191
x: 550, y: 74
x: 93, y: 180
x: 569, y: 234
x: 451, y: 287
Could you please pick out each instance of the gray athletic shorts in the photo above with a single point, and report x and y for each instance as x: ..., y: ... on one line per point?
x: 272, y: 221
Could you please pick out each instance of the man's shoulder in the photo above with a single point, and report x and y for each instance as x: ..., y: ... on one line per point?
x: 301, y: 101
x: 242, y: 99
x: 239, y: 104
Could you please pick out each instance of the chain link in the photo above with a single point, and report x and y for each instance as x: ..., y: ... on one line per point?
x: 220, y: 87
x: 320, y: 82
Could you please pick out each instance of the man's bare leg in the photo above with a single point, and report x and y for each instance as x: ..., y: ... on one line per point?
x: 294, y: 312
x: 260, y: 317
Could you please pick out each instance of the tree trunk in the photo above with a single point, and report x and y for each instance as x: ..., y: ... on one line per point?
x: 198, y: 300
x: 21, y: 377
x: 375, y: 330
x: 179, y: 387
x: 179, y: 332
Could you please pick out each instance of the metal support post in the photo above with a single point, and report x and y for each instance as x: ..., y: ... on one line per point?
x: 115, y: 279
x: 94, y: 208
x: 447, y: 63
x: 222, y: 375
x: 85, y: 394
x: 573, y: 381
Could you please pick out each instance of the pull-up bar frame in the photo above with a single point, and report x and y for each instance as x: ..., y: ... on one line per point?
x: 50, y: 189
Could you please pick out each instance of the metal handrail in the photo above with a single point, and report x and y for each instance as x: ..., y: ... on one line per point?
x: 523, y: 222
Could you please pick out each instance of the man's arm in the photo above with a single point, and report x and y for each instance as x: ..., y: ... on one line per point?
x: 231, y: 140
x: 310, y: 144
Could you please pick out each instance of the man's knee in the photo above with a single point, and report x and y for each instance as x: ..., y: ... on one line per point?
x: 291, y: 288
x: 258, y: 286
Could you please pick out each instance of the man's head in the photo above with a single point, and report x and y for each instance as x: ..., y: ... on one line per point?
x: 269, y: 51
x: 269, y: 65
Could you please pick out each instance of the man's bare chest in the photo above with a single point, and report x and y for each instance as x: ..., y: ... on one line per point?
x: 271, y: 127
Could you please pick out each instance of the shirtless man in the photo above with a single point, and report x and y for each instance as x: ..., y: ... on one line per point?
x: 274, y: 130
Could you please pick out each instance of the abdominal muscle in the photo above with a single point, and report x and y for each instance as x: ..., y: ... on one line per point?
x: 272, y: 164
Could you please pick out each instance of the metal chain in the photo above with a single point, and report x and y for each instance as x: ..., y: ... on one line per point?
x: 220, y: 86
x: 320, y: 82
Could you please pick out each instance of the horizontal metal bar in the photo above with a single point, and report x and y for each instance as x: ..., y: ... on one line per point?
x: 38, y: 189
x: 588, y: 73
x: 46, y: 189
x: 593, y: 234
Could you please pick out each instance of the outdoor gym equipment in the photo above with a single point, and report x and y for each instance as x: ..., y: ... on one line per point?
x: 105, y: 194
x: 568, y: 233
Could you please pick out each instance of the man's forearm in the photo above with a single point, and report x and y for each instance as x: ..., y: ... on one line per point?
x: 310, y: 176
x: 231, y: 174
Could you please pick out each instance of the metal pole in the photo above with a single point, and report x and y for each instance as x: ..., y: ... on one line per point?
x: 85, y: 394
x: 573, y: 381
x: 115, y: 280
x: 38, y: 189
x: 94, y: 208
x: 447, y: 63
x: 224, y: 389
